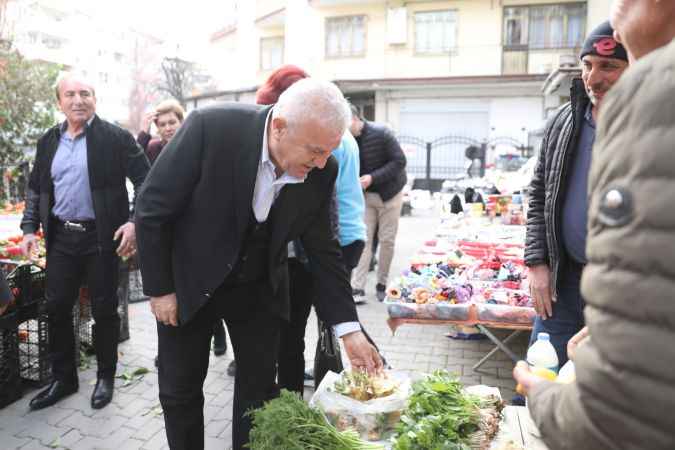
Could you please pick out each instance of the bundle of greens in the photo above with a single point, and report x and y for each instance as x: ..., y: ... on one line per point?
x: 440, y: 416
x: 288, y: 423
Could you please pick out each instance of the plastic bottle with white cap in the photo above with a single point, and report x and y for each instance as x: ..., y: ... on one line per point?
x: 542, y: 354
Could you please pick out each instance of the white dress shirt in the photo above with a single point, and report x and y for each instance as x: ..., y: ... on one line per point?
x: 267, y: 189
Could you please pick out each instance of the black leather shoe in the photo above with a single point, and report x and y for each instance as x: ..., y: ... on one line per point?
x: 232, y: 368
x: 103, y: 392
x: 219, y: 344
x: 55, y: 392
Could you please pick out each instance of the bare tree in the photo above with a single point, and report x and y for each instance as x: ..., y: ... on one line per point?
x: 178, y: 78
x: 145, y: 76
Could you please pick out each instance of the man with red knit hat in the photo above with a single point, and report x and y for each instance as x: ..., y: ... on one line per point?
x: 556, y: 223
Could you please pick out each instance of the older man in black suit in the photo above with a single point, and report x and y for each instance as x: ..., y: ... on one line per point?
x: 233, y: 187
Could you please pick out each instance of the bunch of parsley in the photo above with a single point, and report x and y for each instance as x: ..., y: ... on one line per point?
x: 288, y: 423
x: 440, y: 416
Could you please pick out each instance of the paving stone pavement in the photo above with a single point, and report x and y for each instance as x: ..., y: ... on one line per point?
x: 134, y: 419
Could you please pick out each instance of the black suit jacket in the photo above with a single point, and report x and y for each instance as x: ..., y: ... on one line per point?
x: 194, y: 209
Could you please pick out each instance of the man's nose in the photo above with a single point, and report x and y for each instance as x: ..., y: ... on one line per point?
x: 595, y: 78
x: 321, y: 161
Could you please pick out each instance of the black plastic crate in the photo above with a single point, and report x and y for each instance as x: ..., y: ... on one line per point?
x: 33, y: 343
x: 123, y: 298
x: 84, y: 322
x: 34, y: 364
x: 28, y: 284
x: 10, y: 381
x: 135, y: 282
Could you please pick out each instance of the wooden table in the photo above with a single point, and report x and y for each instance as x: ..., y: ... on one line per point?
x: 518, y: 430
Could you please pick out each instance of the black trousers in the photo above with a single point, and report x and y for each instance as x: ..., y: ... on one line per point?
x: 73, y: 259
x: 184, y: 360
x: 292, y: 344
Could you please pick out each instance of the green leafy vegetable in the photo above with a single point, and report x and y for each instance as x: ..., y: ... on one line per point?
x: 288, y: 423
x: 440, y: 416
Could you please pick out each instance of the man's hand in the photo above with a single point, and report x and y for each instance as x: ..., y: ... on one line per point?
x: 165, y: 309
x: 525, y: 378
x: 366, y: 181
x: 541, y: 290
x: 127, y: 245
x: 361, y: 353
x: 148, y: 119
x: 573, y: 343
x: 29, y: 245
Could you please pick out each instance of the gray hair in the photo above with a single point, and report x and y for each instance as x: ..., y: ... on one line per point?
x: 78, y: 76
x: 311, y: 98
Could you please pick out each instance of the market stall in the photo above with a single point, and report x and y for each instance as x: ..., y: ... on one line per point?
x: 393, y: 411
x: 471, y: 273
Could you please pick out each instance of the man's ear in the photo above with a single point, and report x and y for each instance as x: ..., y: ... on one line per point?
x: 279, y: 127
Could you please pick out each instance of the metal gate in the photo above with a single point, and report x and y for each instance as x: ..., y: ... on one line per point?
x: 431, y: 163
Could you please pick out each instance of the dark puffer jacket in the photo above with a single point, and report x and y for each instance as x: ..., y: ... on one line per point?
x: 381, y: 157
x: 543, y: 243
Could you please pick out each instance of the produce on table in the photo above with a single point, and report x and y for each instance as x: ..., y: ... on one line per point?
x: 441, y: 415
x: 288, y: 423
x: 10, y: 249
x: 361, y: 386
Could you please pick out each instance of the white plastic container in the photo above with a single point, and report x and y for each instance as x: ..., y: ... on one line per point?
x: 567, y: 373
x: 542, y: 354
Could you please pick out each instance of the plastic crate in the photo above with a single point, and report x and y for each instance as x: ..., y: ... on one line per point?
x: 28, y: 284
x: 10, y: 381
x: 33, y: 343
x: 136, y: 287
x: 123, y: 299
x: 84, y: 323
x: 34, y: 363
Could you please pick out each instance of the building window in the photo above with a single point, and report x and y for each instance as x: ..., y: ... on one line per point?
x: 435, y: 31
x: 345, y: 36
x: 545, y: 27
x: 271, y: 53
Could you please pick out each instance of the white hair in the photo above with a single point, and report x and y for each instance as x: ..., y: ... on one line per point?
x: 313, y: 99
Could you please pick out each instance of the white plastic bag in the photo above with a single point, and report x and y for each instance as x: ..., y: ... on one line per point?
x: 374, y: 420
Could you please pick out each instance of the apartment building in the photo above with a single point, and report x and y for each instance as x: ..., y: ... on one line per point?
x: 428, y: 68
x: 108, y: 54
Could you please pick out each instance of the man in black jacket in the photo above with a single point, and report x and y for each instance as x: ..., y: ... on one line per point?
x: 78, y: 195
x: 232, y: 188
x: 556, y: 223
x: 382, y: 178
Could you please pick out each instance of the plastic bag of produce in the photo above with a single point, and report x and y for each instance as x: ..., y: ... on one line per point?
x: 370, y: 406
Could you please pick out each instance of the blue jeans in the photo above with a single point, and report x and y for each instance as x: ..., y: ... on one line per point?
x: 568, y: 314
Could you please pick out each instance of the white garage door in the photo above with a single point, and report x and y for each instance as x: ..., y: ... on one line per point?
x: 452, y: 125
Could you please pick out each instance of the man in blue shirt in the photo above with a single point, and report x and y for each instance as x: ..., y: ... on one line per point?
x: 77, y: 194
x: 556, y: 224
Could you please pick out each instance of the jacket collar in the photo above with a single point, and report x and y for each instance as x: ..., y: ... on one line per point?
x: 247, y: 169
x: 63, y: 127
x: 578, y: 98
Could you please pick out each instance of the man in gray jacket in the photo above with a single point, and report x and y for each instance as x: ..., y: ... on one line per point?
x: 624, y: 392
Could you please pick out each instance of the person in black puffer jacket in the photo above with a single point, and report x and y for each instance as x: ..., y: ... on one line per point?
x: 556, y: 221
x: 382, y: 177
